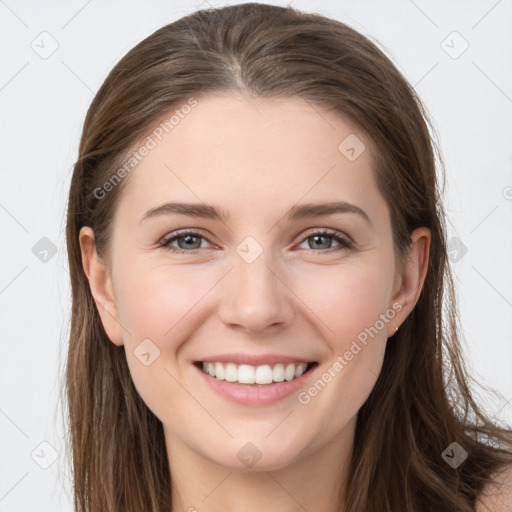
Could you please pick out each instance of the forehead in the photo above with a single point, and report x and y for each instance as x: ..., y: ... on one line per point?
x: 253, y: 153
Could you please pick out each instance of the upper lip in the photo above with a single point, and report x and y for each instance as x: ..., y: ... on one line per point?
x: 253, y: 359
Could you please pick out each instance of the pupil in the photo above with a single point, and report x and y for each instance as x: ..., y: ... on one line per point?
x: 316, y: 237
x: 187, y: 239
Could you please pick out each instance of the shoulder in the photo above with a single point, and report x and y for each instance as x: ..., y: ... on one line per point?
x: 497, y: 495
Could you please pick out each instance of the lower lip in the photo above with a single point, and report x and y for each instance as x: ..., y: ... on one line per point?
x: 255, y: 395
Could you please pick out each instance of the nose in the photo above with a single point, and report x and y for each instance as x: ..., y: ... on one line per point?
x: 256, y: 297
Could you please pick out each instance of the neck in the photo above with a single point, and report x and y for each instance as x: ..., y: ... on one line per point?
x: 312, y: 481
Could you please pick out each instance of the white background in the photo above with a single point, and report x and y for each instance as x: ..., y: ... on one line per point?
x: 43, y: 104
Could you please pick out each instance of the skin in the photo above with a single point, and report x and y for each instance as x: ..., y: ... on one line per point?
x: 254, y: 158
x: 497, y: 495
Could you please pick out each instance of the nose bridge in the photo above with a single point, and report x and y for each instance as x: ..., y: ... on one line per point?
x: 255, y: 296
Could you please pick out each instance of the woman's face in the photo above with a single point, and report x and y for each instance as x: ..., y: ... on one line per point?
x: 257, y: 285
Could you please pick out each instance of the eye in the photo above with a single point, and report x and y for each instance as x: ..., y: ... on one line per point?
x: 189, y: 241
x: 318, y: 239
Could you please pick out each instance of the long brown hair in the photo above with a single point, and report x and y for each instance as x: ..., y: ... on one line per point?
x: 421, y: 402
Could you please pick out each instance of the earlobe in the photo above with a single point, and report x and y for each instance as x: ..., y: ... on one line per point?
x: 100, y: 283
x: 414, y: 274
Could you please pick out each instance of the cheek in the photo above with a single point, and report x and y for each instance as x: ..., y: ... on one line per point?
x: 349, y: 302
x: 154, y: 302
x: 161, y: 305
x: 346, y: 301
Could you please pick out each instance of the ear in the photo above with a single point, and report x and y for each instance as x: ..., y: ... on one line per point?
x: 408, y: 286
x: 101, y: 286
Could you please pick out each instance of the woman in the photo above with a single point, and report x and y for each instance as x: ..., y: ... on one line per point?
x: 257, y: 252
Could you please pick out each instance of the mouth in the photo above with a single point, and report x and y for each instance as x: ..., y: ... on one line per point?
x: 258, y: 376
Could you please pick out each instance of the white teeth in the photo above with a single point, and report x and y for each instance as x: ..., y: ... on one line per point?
x: 231, y: 372
x: 263, y: 375
x: 247, y: 374
x: 299, y: 370
x: 278, y: 373
x: 289, y: 373
x: 219, y: 371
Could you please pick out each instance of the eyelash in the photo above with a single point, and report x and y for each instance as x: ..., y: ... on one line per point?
x: 345, y: 243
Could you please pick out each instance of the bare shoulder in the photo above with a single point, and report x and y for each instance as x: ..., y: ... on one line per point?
x: 497, y: 496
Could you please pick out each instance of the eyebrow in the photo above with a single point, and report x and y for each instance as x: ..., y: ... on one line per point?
x: 297, y: 212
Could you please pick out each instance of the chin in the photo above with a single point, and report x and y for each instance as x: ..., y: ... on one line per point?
x: 255, y: 456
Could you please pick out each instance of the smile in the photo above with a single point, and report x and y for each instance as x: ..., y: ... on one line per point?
x: 255, y: 386
x: 248, y: 374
